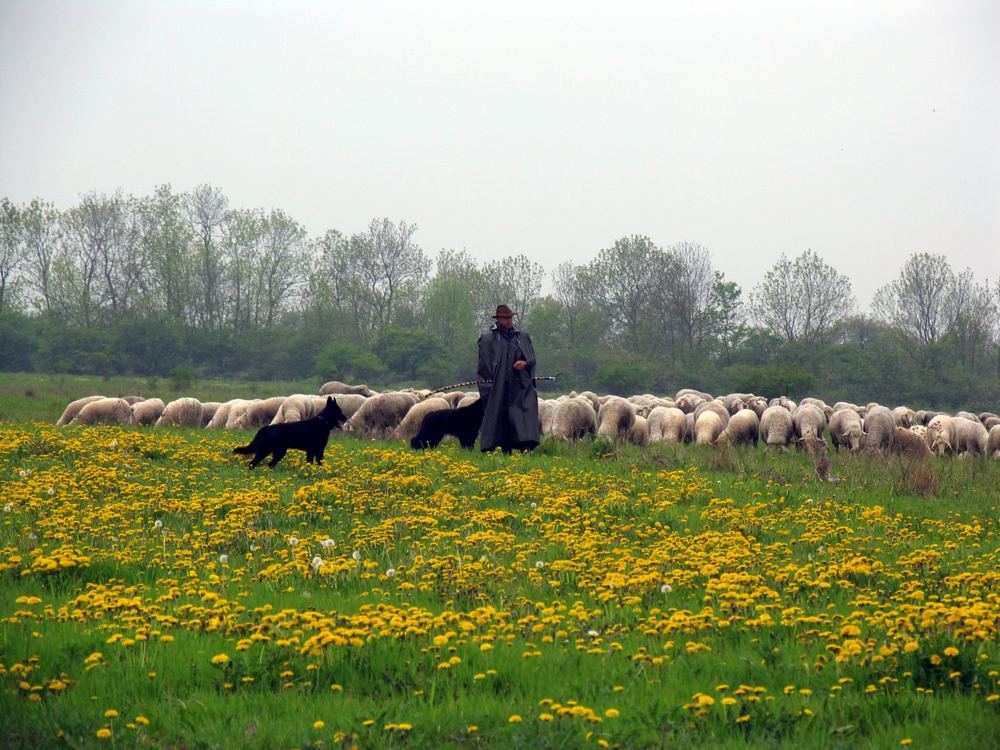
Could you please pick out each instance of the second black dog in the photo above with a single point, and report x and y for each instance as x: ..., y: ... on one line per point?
x: 463, y: 423
x: 309, y: 435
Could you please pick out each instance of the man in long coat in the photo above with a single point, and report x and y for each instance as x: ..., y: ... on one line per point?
x: 510, y: 412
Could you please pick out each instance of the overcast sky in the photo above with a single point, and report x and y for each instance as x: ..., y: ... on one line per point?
x: 866, y: 131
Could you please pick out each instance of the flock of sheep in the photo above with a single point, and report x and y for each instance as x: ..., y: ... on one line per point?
x: 691, y: 416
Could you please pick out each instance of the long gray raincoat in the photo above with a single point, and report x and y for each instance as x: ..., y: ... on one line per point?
x: 510, y: 415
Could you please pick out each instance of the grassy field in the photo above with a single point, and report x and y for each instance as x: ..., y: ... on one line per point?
x: 155, y: 593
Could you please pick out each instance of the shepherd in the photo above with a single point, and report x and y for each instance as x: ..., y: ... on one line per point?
x: 510, y: 412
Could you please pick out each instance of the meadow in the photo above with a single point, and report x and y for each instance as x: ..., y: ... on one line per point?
x: 156, y: 593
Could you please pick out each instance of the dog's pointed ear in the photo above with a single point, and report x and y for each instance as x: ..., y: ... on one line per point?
x: 329, y: 400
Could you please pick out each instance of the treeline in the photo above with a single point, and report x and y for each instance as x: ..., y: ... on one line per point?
x: 184, y: 284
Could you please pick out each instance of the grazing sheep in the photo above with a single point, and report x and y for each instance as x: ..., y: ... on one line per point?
x: 993, y: 442
x: 758, y: 404
x: 990, y: 422
x: 785, y: 402
x: 546, y: 413
x: 743, y: 429
x: 208, y: 409
x: 905, y: 442
x: 573, y: 419
x: 74, y: 407
x: 259, y: 413
x: 148, y: 411
x: 707, y: 428
x: 689, y: 427
x: 970, y: 437
x: 470, y: 398
x: 295, y: 408
x: 818, y: 451
x: 692, y: 392
x: 967, y: 415
x: 615, y: 419
x: 715, y: 405
x: 689, y: 402
x: 809, y: 421
x: 349, y: 403
x: 985, y: 416
x: 904, y: 416
x: 879, y: 426
x: 221, y: 416
x: 105, y: 411
x: 734, y: 402
x: 410, y: 425
x: 237, y: 410
x: 827, y: 410
x: 181, y: 412
x: 453, y: 398
x: 846, y: 430
x: 941, y: 435
x: 665, y: 425
x: 925, y: 416
x: 336, y: 388
x: 920, y: 431
x: 776, y: 427
x: 859, y: 410
x: 639, y: 433
x: 380, y: 415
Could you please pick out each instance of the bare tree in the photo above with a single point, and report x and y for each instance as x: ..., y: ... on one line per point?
x: 514, y: 281
x: 917, y: 302
x: 802, y: 300
x: 390, y: 264
x: 167, y: 241
x: 40, y: 229
x: 688, y: 288
x: 11, y: 253
x: 281, y: 267
x: 206, y: 209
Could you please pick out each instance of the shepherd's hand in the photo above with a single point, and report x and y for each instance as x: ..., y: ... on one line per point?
x: 520, y: 364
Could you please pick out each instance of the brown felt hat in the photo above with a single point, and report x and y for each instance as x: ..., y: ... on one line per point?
x: 504, y: 312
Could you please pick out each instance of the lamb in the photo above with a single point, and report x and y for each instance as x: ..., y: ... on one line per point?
x: 846, y: 430
x: 639, y: 433
x: 380, y: 415
x: 181, y: 412
x: 970, y: 437
x: 907, y: 443
x: 336, y: 388
x: 879, y: 426
x: 993, y: 442
x: 410, y: 425
x: 941, y: 435
x: 809, y: 421
x: 105, y: 411
x: 260, y: 413
x: 743, y: 429
x: 148, y: 411
x: 615, y: 419
x: 707, y: 428
x: 776, y: 427
x: 74, y: 407
x: 573, y: 419
x: 665, y: 425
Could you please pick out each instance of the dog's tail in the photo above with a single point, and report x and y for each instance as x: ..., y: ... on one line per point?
x: 244, y: 449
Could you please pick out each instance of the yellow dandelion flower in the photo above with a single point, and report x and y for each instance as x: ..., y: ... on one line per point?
x: 103, y: 733
x: 513, y: 719
x: 142, y: 720
x: 319, y: 724
x: 906, y: 741
x: 111, y: 714
x: 545, y: 717
x: 951, y: 651
x: 220, y: 659
x: 612, y: 713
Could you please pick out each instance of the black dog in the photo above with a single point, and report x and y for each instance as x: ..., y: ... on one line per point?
x: 463, y: 423
x: 309, y: 435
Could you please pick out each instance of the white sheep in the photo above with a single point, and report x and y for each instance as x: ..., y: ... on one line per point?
x: 615, y: 419
x: 470, y: 398
x: 639, y: 432
x: 743, y: 428
x: 208, y: 409
x: 666, y: 425
x: 259, y: 413
x: 715, y: 405
x: 941, y: 434
x: 879, y: 426
x: 573, y: 419
x: 809, y: 421
x: 74, y: 407
x: 148, y: 411
x: 237, y: 412
x: 181, y: 412
x: 904, y: 416
x: 295, y: 408
x: 776, y: 427
x: 707, y: 428
x: 970, y: 437
x: 221, y: 416
x: 414, y: 418
x: 546, y: 414
x: 846, y: 429
x: 105, y: 411
x: 335, y: 387
x: 993, y: 442
x: 380, y: 415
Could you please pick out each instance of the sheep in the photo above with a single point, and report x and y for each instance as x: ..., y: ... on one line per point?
x: 809, y: 421
x: 665, y: 425
x: 208, y: 409
x: 941, y: 434
x: 758, y: 404
x: 743, y: 428
x: 470, y: 398
x: 689, y: 427
x: 221, y: 416
x: 925, y: 416
x: 879, y: 426
x: 380, y: 415
x: 148, y: 411
x: 259, y: 413
x: 336, y: 388
x: 990, y: 422
x: 707, y: 427
x: 181, y: 412
x: 985, y: 416
x: 920, y: 431
x: 639, y: 432
x: 615, y: 419
x: 776, y: 427
x: 715, y: 405
x: 785, y: 402
x: 453, y: 398
x: 993, y: 442
x: 859, y: 410
x: 846, y: 429
x: 295, y: 408
x: 349, y: 403
x: 734, y: 402
x: 237, y: 412
x: 970, y: 437
x: 410, y: 424
x: 74, y: 407
x: 105, y: 411
x: 967, y: 415
x: 595, y: 402
x: 904, y: 416
x: 546, y: 412
x: 905, y: 442
x: 573, y: 419
x: 692, y: 392
x: 689, y: 402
